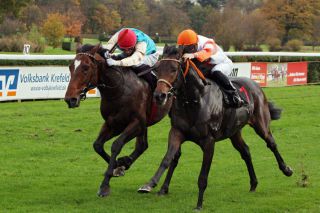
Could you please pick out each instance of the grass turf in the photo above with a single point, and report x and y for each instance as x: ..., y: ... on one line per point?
x: 47, y: 163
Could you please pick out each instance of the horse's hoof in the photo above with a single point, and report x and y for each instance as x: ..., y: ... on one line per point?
x: 288, y: 171
x: 104, y: 191
x: 252, y: 189
x: 118, y: 172
x: 253, y: 186
x: 162, y: 192
x: 145, y: 189
x: 198, y: 208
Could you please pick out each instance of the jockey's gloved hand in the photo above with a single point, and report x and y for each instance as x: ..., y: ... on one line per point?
x: 112, y: 62
x: 107, y: 54
x: 188, y: 56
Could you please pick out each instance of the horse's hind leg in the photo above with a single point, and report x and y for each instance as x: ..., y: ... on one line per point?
x: 261, y: 126
x: 165, y: 186
x: 141, y: 146
x: 239, y: 144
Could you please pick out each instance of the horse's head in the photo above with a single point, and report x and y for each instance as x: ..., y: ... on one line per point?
x: 174, y: 75
x: 84, y: 74
x: 167, y: 68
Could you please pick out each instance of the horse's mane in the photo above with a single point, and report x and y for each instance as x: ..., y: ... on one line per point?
x: 85, y: 48
x: 88, y: 47
x: 170, y: 50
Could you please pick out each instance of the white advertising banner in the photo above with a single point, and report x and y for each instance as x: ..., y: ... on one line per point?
x: 51, y: 82
x: 45, y: 82
x: 241, y: 70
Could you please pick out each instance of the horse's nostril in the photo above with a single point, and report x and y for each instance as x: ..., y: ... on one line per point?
x: 160, y: 97
x: 72, y: 102
x: 163, y: 96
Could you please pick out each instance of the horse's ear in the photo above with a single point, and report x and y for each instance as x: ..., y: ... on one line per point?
x: 79, y: 49
x: 180, y: 51
x: 98, y: 57
x: 95, y: 49
x: 165, y: 48
x: 156, y: 65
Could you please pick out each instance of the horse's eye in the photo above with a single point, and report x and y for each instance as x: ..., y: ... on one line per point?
x: 85, y: 69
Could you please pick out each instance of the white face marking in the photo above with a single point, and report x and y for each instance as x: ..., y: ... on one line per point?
x: 76, y: 64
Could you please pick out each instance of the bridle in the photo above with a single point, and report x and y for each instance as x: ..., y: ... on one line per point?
x: 90, y: 85
x: 172, y: 89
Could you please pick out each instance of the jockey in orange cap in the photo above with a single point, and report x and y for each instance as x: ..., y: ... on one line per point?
x: 205, y: 49
x: 138, y: 51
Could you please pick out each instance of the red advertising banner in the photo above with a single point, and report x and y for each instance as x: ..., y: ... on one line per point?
x: 259, y: 73
x: 297, y: 73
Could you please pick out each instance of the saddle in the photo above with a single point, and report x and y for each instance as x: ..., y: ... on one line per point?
x: 244, y: 95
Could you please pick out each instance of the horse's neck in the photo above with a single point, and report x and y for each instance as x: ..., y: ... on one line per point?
x: 192, y: 92
x: 191, y: 87
x: 111, y: 76
x: 111, y: 81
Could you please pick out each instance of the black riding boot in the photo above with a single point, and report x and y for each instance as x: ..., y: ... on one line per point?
x: 145, y: 72
x: 223, y: 81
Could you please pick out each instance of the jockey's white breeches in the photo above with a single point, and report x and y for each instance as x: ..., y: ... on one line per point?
x: 225, y: 66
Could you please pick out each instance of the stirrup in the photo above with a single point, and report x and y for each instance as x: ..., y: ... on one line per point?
x: 237, y: 100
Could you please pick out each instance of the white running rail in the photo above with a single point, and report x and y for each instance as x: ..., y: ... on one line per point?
x: 159, y: 50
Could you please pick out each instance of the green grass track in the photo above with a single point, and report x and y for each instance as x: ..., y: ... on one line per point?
x: 47, y: 163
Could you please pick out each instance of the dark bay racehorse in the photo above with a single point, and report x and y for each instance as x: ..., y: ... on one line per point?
x: 198, y: 114
x: 126, y: 107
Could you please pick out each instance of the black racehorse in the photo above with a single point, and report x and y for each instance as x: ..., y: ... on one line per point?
x: 126, y: 106
x: 199, y: 114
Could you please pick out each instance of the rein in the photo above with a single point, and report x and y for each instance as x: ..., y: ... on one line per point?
x: 195, y: 68
x: 171, y: 88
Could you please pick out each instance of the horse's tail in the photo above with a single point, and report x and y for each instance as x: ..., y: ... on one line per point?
x: 275, y: 112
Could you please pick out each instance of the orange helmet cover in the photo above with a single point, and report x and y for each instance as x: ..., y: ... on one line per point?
x: 187, y: 37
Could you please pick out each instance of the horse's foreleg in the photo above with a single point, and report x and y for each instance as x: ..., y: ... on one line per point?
x: 141, y: 146
x: 130, y: 132
x: 208, y: 150
x: 104, y: 135
x: 165, y: 186
x: 239, y: 144
x: 175, y: 140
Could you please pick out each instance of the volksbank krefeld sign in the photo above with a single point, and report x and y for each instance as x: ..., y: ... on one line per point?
x: 36, y: 78
x: 34, y: 83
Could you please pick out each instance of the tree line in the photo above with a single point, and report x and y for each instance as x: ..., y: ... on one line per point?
x: 243, y: 24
